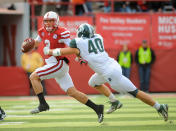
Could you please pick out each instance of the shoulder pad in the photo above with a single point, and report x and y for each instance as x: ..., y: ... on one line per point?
x: 64, y: 33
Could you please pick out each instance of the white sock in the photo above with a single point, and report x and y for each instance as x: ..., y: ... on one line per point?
x: 156, y: 106
x: 112, y: 97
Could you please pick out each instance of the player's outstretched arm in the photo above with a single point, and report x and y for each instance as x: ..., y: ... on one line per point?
x: 61, y: 51
x: 69, y: 51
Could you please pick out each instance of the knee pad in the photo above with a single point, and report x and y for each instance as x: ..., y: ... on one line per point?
x: 133, y: 93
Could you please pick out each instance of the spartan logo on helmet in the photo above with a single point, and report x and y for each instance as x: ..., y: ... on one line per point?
x: 85, y: 30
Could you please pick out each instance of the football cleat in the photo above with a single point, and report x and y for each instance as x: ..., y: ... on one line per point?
x: 100, y: 112
x: 40, y: 108
x: 114, y: 106
x: 163, y: 110
x: 2, y: 114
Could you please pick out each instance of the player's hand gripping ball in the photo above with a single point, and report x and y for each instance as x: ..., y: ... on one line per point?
x: 27, y: 45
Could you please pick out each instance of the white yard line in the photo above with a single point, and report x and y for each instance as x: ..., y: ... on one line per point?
x: 11, y: 123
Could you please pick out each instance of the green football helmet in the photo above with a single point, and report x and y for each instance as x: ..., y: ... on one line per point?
x: 85, y: 30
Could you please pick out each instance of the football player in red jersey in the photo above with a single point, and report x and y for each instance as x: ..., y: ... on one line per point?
x: 54, y: 37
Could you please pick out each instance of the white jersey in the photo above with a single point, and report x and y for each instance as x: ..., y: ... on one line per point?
x: 106, y: 68
x: 92, y: 50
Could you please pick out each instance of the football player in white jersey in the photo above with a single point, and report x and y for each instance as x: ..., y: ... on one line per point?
x: 90, y: 47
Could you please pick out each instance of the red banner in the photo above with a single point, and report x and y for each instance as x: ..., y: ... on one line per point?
x: 119, y: 29
x: 164, y: 31
x: 70, y: 22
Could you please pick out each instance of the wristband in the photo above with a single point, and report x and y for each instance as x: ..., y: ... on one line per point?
x: 56, y: 52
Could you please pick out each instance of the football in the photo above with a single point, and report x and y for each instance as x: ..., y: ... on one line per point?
x: 27, y: 45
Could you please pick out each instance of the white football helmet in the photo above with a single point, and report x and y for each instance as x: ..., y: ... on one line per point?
x: 51, y: 16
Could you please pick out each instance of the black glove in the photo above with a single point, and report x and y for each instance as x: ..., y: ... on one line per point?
x: 81, y: 61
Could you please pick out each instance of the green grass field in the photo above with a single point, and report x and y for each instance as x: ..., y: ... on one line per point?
x: 69, y: 115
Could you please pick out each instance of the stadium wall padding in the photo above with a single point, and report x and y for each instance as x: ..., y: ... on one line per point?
x: 14, y: 81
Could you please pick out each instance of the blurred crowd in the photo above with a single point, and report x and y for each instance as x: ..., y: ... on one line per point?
x: 62, y: 7
x: 82, y: 7
x: 140, y: 6
x: 87, y: 7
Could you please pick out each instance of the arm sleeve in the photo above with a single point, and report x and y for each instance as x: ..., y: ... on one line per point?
x: 73, y: 43
x: 66, y: 41
x: 65, y: 37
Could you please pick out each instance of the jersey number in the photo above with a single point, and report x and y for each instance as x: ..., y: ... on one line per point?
x: 47, y: 43
x: 95, y: 45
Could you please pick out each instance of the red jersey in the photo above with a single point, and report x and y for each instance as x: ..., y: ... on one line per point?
x: 55, y: 39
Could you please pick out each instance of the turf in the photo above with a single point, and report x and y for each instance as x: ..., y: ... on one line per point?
x: 69, y: 115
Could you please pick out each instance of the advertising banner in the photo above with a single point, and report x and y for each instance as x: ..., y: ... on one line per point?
x: 163, y: 31
x: 119, y: 29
